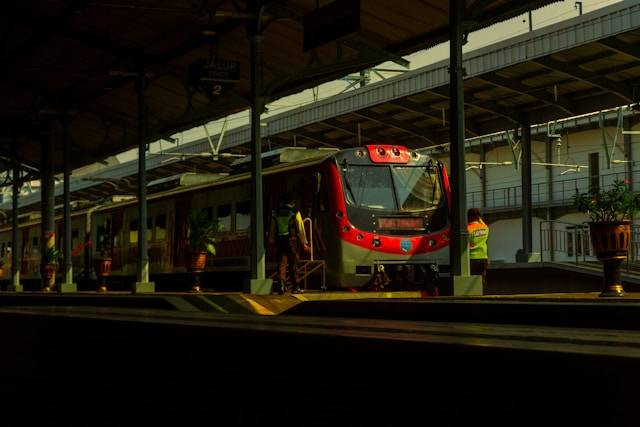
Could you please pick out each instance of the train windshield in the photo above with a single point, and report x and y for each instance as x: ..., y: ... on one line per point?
x: 395, y: 188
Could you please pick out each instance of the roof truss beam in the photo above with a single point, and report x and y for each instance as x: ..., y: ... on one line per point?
x: 621, y: 89
x: 422, y: 133
x: 432, y: 113
x: 562, y: 102
x: 619, y: 46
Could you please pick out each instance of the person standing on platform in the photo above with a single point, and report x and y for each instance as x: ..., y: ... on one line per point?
x: 478, y: 252
x: 287, y: 233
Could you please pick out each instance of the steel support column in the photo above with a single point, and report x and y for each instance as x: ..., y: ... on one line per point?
x: 67, y: 285
x: 459, y: 248
x: 258, y: 282
x: 548, y: 158
x: 48, y: 234
x: 527, y: 211
x: 16, y: 253
x: 143, y: 284
x: 483, y: 175
x: 628, y: 168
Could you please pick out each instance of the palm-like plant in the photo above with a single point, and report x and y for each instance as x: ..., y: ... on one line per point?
x: 202, y: 232
x: 614, y: 205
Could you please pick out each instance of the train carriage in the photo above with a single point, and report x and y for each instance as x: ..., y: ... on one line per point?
x: 365, y: 207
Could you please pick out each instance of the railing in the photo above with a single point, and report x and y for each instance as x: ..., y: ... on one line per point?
x: 568, y: 241
x: 562, y: 191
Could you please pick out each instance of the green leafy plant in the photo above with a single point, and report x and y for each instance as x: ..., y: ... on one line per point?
x: 52, y: 256
x: 202, y: 232
x: 614, y: 205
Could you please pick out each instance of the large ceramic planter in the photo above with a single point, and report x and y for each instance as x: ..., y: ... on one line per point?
x: 196, y: 262
x: 49, y: 276
x: 102, y: 267
x: 611, y: 245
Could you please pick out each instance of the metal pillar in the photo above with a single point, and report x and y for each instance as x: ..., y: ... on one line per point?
x: 67, y: 285
x: 48, y: 235
x: 15, y: 285
x: 527, y: 212
x: 258, y: 283
x: 459, y: 248
x: 628, y: 167
x: 548, y: 158
x: 483, y: 175
x: 143, y: 284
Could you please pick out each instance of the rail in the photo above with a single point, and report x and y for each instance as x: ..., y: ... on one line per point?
x: 562, y: 192
x: 569, y: 241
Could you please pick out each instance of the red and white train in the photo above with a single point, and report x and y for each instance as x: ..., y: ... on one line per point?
x: 368, y: 206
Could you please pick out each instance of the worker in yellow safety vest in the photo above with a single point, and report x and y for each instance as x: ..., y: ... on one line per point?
x: 287, y: 233
x: 478, y: 253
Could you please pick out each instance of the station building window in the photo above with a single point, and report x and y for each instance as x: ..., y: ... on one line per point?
x: 149, y: 228
x: 133, y: 231
x: 243, y: 215
x: 224, y: 216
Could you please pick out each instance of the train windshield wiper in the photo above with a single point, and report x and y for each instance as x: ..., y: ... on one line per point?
x: 346, y: 182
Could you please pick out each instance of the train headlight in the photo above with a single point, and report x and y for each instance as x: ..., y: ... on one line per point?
x: 346, y: 228
x: 381, y: 151
x: 376, y: 242
x: 432, y: 242
x: 359, y: 236
x: 396, y: 151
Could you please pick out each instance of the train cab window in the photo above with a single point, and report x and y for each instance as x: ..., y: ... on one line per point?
x: 243, y: 215
x: 133, y: 231
x: 35, y: 246
x: 224, y: 217
x: 161, y: 227
x: 369, y: 187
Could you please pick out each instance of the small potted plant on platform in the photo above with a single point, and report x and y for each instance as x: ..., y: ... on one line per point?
x: 49, y: 268
x: 201, y: 237
x: 610, y: 228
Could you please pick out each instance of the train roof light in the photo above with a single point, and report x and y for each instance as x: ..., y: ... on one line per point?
x: 382, y: 153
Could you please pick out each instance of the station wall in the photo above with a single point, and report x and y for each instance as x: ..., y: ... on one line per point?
x: 504, y: 189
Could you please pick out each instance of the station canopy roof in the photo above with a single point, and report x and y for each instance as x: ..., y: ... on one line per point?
x: 77, y: 60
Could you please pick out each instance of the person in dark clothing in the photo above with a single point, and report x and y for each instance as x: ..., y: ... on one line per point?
x: 287, y: 233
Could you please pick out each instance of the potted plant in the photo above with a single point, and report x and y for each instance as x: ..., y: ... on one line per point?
x: 49, y: 268
x: 102, y: 261
x: 201, y: 239
x: 610, y: 213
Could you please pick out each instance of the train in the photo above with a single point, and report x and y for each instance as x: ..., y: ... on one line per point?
x: 365, y: 208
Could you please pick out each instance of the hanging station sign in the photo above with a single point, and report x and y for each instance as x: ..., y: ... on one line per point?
x: 214, y: 77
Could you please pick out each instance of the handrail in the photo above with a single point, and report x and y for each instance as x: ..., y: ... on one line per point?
x: 561, y: 191
x: 578, y: 229
x: 310, y: 237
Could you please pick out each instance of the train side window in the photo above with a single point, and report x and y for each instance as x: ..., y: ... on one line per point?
x: 243, y: 215
x: 161, y: 227
x: 75, y: 235
x: 133, y: 231
x: 224, y: 217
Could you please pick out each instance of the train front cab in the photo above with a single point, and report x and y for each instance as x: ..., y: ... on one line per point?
x: 390, y: 208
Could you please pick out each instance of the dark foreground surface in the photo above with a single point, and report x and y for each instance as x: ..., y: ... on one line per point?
x: 110, y: 367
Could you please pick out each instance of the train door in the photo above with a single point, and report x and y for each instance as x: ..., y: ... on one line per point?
x: 180, y: 229
x: 117, y: 223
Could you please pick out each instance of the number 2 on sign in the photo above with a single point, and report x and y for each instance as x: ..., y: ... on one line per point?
x: 217, y: 90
